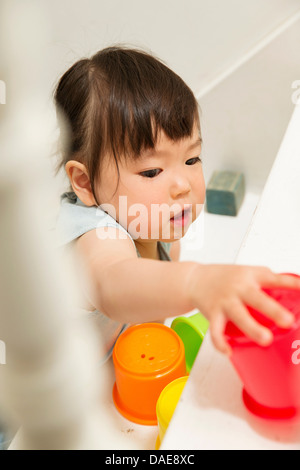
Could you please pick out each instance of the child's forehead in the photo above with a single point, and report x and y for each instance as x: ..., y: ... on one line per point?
x: 165, y: 146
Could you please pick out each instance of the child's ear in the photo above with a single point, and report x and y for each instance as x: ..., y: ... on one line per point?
x: 80, y: 181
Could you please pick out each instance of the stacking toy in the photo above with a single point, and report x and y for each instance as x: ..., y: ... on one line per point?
x: 191, y: 330
x: 166, y: 405
x: 146, y: 358
x: 271, y: 378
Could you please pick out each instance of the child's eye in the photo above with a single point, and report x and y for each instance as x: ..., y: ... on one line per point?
x: 192, y: 161
x: 150, y: 173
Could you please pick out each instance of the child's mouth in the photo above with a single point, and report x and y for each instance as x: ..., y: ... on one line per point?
x: 183, y: 218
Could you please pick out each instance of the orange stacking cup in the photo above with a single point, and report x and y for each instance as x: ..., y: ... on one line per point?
x: 146, y: 358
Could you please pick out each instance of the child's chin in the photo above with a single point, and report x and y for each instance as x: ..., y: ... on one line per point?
x: 171, y: 239
x: 171, y: 235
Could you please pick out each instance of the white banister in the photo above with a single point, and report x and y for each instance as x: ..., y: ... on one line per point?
x: 49, y: 385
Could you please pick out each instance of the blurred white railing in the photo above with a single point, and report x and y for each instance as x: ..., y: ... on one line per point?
x: 49, y: 385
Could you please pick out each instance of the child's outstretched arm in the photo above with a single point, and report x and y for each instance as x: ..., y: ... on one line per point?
x: 135, y: 290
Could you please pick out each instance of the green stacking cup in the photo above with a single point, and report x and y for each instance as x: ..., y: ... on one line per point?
x: 192, y: 331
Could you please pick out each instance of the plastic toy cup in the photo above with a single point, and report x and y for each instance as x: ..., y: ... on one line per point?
x: 166, y: 405
x: 191, y: 330
x: 271, y: 379
x: 146, y: 358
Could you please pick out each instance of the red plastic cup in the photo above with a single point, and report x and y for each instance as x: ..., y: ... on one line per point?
x: 270, y: 376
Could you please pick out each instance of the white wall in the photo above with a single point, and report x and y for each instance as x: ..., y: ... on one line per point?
x: 244, y: 116
x: 197, y: 38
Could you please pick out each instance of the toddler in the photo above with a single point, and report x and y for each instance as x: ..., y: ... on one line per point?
x: 136, y: 185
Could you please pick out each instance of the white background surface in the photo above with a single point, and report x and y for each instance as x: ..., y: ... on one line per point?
x: 198, y: 39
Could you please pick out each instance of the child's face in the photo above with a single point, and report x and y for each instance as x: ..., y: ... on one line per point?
x: 154, y: 188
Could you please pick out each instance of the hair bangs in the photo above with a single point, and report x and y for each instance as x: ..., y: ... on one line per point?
x: 145, y: 97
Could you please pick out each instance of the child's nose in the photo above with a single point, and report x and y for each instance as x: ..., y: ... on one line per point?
x: 180, y: 186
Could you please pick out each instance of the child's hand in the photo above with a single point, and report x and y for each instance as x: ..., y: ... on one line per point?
x: 221, y: 293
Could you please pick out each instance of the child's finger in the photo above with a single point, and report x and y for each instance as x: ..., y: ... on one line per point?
x: 269, y: 307
x: 283, y: 280
x: 240, y: 316
x: 217, y: 328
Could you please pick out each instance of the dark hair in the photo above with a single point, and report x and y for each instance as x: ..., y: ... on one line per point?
x: 116, y: 102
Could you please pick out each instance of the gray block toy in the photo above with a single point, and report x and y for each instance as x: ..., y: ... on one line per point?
x: 225, y: 193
